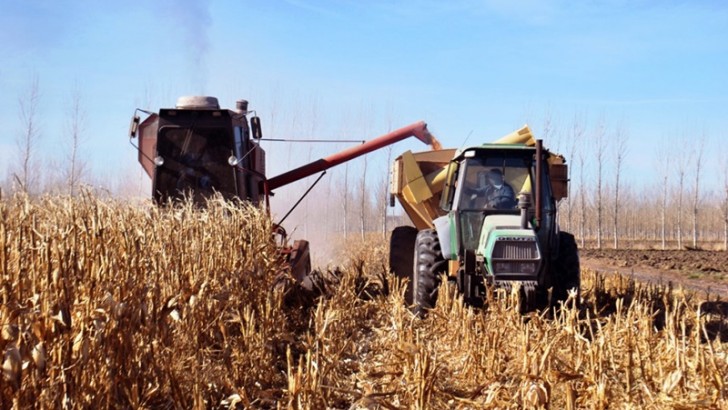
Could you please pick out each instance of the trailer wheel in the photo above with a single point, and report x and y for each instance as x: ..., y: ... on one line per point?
x: 566, y: 270
x: 429, y: 264
x: 401, y: 256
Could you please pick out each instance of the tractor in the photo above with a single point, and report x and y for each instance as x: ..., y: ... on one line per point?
x: 485, y: 217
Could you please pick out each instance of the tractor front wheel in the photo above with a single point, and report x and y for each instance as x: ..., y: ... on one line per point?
x: 429, y: 265
x: 401, y: 256
x: 566, y: 271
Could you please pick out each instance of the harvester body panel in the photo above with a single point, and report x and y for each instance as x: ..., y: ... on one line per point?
x: 191, y: 147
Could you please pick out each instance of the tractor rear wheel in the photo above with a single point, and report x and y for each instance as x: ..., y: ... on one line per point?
x: 429, y: 264
x: 401, y: 256
x: 566, y: 271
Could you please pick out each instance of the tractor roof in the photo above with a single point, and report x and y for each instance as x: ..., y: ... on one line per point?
x: 490, y: 147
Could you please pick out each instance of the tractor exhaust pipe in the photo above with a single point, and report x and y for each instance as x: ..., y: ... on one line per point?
x: 524, y: 202
x: 539, y: 171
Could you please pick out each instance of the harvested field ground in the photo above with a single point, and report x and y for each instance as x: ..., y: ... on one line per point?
x: 107, y: 305
x: 713, y: 263
x: 705, y: 271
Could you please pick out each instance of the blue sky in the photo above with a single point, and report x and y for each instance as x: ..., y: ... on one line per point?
x: 354, y: 69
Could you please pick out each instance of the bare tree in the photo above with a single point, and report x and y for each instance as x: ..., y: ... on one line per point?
x: 384, y: 192
x: 725, y: 202
x: 620, y: 151
x: 600, y: 149
x: 664, y: 170
x: 307, y: 219
x: 582, y: 199
x: 28, y: 139
x: 345, y: 202
x: 385, y: 183
x: 364, y: 192
x: 682, y: 164
x: 76, y: 166
x: 577, y: 133
x: 549, y: 132
x: 699, y: 148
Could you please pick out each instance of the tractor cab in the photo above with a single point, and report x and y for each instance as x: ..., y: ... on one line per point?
x: 490, y: 180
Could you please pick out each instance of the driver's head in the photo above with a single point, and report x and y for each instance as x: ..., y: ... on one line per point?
x: 495, y: 177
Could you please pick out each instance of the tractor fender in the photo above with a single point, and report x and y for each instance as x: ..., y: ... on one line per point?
x: 444, y: 228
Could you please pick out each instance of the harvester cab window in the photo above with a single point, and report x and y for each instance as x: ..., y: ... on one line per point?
x: 195, y: 160
x: 240, y: 148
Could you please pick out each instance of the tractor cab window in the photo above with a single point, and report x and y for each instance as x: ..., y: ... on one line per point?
x: 489, y: 186
x: 493, y: 183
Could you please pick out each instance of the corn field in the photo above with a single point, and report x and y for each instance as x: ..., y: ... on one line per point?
x: 112, y: 305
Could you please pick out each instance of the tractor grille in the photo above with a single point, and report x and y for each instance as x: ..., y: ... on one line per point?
x: 519, y: 249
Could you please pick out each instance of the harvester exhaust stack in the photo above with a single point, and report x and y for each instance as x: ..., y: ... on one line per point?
x: 197, y: 103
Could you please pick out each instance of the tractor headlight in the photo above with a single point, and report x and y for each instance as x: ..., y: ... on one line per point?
x: 515, y: 267
x: 503, y: 267
x: 527, y: 267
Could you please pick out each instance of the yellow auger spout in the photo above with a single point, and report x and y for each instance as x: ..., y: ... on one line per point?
x: 521, y: 136
x: 417, y: 181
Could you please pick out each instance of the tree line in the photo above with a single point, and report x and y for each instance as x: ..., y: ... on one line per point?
x: 681, y: 203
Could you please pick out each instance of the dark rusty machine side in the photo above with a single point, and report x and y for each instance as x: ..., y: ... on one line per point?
x: 197, y: 149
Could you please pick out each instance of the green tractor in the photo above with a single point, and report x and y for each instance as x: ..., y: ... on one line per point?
x: 486, y: 216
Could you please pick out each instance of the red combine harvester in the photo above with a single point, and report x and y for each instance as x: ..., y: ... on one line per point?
x: 197, y: 149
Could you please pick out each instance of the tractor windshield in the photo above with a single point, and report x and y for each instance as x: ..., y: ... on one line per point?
x: 493, y: 182
x: 489, y: 185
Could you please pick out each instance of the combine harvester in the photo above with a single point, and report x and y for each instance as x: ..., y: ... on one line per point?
x: 480, y: 237
x: 198, y: 149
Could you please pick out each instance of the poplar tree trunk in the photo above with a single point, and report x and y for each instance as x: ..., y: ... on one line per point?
x: 679, y: 209
x: 345, y: 203
x: 696, y: 196
x: 362, y: 209
x: 663, y: 211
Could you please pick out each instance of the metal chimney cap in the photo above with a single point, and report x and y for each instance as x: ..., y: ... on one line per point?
x: 198, y: 102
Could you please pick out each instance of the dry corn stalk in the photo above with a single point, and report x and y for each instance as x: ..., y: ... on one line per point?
x: 108, y: 304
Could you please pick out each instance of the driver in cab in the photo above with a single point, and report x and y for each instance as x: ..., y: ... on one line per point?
x: 492, y: 191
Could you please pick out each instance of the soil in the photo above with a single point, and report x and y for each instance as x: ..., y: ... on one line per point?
x: 700, y: 270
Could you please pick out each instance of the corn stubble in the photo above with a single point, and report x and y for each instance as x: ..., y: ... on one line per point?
x: 110, y: 305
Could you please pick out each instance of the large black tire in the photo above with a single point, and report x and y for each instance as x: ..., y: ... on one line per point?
x: 401, y: 256
x: 429, y: 265
x: 566, y: 270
